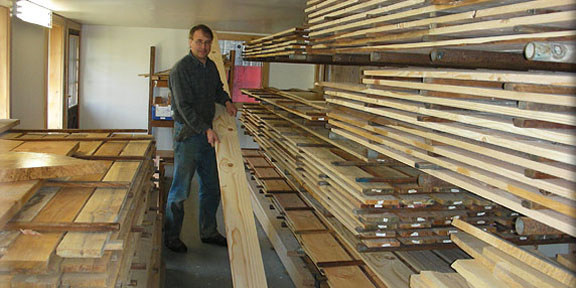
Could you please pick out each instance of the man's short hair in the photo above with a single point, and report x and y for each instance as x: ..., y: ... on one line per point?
x: 205, y: 29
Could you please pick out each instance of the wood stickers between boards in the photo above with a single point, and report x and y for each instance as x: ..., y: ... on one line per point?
x: 98, y: 259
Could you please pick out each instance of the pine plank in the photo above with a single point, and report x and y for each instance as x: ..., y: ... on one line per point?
x: 477, y: 275
x: 520, y: 269
x: 347, y: 277
x: 243, y: 248
x: 544, y: 265
x: 567, y: 260
x: 23, y: 166
x: 7, y: 124
x: 443, y: 280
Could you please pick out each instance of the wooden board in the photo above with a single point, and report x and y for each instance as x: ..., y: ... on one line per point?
x: 443, y: 280
x: 63, y: 207
x: 243, y: 248
x: 546, y: 266
x: 323, y: 247
x: 289, y: 200
x: 7, y: 145
x: 304, y: 221
x: 13, y: 195
x: 66, y: 148
x: 22, y: 166
x: 477, y: 275
x: 347, y: 277
x: 7, y: 124
x: 103, y: 206
x: 282, y: 239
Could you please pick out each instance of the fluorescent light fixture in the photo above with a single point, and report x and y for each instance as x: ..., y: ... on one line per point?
x: 33, y: 13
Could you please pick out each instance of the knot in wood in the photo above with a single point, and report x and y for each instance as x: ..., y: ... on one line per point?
x: 230, y: 165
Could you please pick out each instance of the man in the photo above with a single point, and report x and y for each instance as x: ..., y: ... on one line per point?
x: 196, y: 86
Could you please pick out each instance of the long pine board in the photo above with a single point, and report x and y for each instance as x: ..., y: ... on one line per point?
x: 544, y: 265
x: 243, y: 247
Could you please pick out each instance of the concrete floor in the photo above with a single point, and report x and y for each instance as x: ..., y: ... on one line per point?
x: 207, y: 265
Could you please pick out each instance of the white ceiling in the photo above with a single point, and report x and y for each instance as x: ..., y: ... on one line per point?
x: 255, y: 16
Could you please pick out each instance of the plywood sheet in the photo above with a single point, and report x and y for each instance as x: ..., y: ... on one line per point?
x: 23, y: 166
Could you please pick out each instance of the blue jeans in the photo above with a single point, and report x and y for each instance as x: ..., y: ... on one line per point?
x: 191, y: 154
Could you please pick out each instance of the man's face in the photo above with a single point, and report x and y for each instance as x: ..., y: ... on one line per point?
x: 200, y: 44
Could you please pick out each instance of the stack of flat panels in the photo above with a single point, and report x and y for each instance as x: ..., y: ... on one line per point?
x: 285, y: 43
x: 82, y: 231
x: 496, y: 263
x: 384, y: 203
x: 351, y: 26
x: 506, y: 136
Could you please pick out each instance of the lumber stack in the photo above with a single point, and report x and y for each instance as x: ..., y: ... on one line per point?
x: 421, y: 25
x: 496, y: 263
x: 385, y: 203
x: 506, y: 136
x: 83, y: 231
x: 286, y: 43
x: 321, y: 245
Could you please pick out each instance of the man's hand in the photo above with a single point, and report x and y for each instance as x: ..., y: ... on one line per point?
x: 231, y: 108
x: 212, y: 137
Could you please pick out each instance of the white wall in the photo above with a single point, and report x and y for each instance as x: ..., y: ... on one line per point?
x: 113, y: 95
x: 27, y: 82
x: 289, y: 75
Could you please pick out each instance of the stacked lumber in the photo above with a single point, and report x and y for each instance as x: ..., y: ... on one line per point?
x: 421, y: 25
x: 289, y: 42
x: 384, y: 203
x: 389, y: 267
x: 83, y: 230
x: 505, y: 136
x: 321, y: 246
x: 496, y: 263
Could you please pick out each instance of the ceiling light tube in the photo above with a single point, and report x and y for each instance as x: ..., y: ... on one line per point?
x: 33, y: 13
